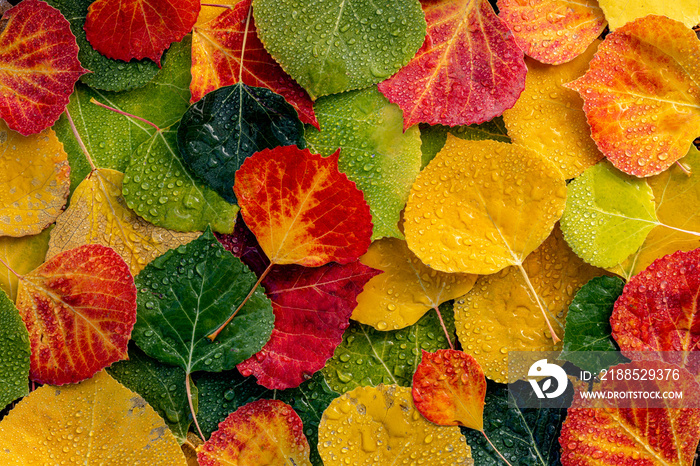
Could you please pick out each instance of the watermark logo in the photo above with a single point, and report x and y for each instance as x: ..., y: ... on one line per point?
x: 542, y: 368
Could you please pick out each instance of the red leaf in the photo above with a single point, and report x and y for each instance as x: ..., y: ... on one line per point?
x: 79, y: 308
x: 39, y: 58
x: 301, y: 208
x: 468, y: 70
x: 126, y: 29
x: 216, y: 61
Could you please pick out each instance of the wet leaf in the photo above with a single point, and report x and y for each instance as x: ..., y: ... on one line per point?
x: 159, y: 188
x: 138, y: 28
x: 588, y: 325
x: 229, y: 125
x: 195, y: 288
x: 209, y: 11
x: 34, y: 180
x: 107, y: 74
x: 97, y: 419
x: 351, y: 60
x: 549, y: 118
x: 308, y: 212
x: 468, y: 70
x: 480, y: 206
x: 23, y: 255
x: 380, y: 425
x: 500, y: 314
x: 370, y: 357
x: 449, y: 388
x: 406, y: 289
x: 260, y: 433
x: 162, y: 386
x: 375, y: 153
x: 553, y: 32
x: 14, y: 353
x: 641, y: 94
x: 39, y: 57
x: 218, y: 59
x: 79, y: 308
x: 608, y: 215
x: 619, y: 12
x: 98, y: 214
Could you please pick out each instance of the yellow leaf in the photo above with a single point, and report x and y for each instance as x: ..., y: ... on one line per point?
x: 619, y: 12
x: 500, y: 314
x: 480, y: 206
x: 549, y: 118
x: 381, y: 426
x: 98, y: 214
x: 34, y: 179
x: 207, y: 13
x: 406, y: 290
x: 23, y: 255
x: 98, y: 421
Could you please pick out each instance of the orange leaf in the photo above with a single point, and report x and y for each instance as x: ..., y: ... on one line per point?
x: 79, y: 308
x: 553, y: 31
x: 641, y: 94
x: 39, y: 59
x: 449, y: 389
x: 301, y: 208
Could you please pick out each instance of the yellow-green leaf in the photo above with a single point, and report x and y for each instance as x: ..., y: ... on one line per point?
x: 619, y: 12
x: 23, y: 255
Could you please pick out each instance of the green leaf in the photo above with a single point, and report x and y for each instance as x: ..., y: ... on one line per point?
x: 162, y: 386
x: 526, y: 437
x: 111, y: 138
x: 186, y: 294
x: 369, y: 357
x: 229, y: 125
x: 222, y: 393
x: 608, y: 215
x: 433, y: 137
x: 588, y: 325
x: 107, y: 74
x: 339, y: 45
x: 14, y: 353
x: 158, y: 188
x: 375, y: 152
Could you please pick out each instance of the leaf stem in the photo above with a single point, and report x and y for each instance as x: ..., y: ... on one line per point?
x: 690, y: 232
x: 188, y: 389
x: 444, y: 327
x: 10, y: 269
x: 122, y: 112
x: 685, y: 169
x: 216, y: 332
x: 217, y: 5
x: 552, y: 333
x: 494, y: 448
x: 80, y: 141
x: 245, y: 39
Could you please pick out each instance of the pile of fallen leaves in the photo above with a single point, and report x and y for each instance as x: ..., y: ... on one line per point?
x: 308, y: 231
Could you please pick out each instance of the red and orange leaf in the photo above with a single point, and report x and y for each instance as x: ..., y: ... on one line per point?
x: 449, y: 389
x: 79, y: 308
x: 263, y: 432
x: 641, y: 94
x: 553, y: 31
x: 126, y: 29
x: 468, y: 70
x: 39, y: 61
x: 301, y: 208
x: 217, y: 52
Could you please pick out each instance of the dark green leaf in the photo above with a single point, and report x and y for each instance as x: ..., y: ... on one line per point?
x: 14, y: 353
x: 229, y: 125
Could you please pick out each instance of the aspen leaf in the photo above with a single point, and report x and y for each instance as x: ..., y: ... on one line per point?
x: 79, y: 308
x: 210, y: 11
x: 433, y: 137
x: 14, y: 353
x: 98, y: 419
x: 23, y: 255
x: 34, y: 180
x: 406, y: 289
x: 98, y: 214
x: 620, y: 12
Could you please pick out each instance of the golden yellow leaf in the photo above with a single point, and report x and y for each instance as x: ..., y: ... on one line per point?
x: 380, y: 425
x: 98, y: 421
x: 500, y: 313
x: 619, y: 12
x: 34, y: 180
x: 98, y: 214
x: 23, y: 255
x: 406, y: 290
x: 207, y: 13
x: 480, y: 206
x: 549, y: 118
